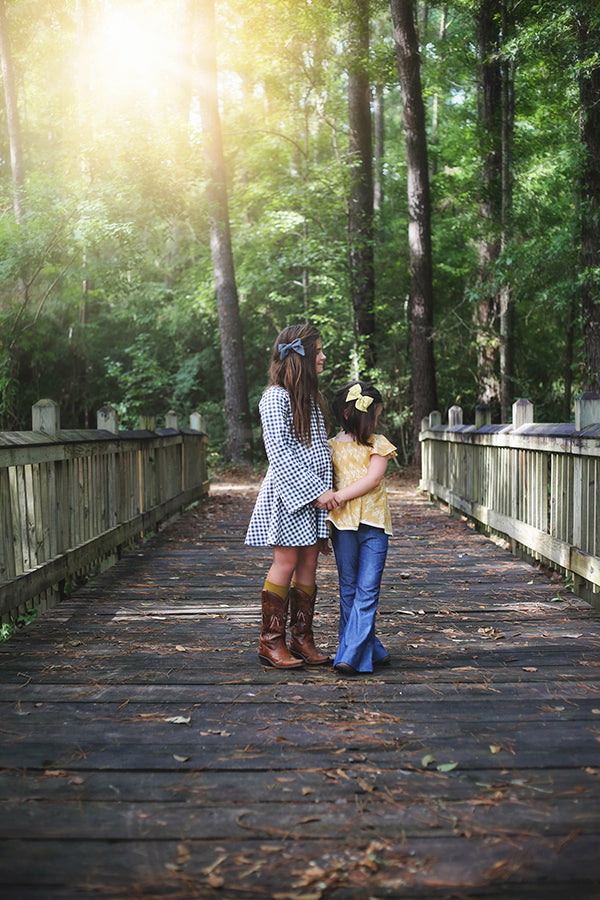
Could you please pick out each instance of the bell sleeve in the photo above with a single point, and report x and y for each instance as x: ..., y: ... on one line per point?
x: 295, y: 481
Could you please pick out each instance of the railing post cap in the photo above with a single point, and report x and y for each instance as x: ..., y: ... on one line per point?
x: 147, y: 422
x: 45, y: 417
x: 483, y: 415
x: 46, y: 403
x: 522, y: 412
x: 587, y: 409
x: 589, y: 395
x: 455, y: 415
x: 107, y: 419
x: 196, y: 421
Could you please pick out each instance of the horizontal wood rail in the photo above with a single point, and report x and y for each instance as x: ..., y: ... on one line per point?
x: 537, y: 485
x: 71, y: 500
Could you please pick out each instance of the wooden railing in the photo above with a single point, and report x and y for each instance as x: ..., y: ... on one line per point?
x: 70, y: 501
x: 537, y: 485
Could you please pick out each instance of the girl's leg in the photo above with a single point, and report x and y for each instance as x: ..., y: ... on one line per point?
x: 358, y: 647
x: 306, y: 567
x: 302, y: 606
x: 272, y: 649
x: 345, y: 548
x: 285, y: 560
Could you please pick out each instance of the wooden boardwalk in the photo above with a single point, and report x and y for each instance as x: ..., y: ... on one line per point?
x: 145, y: 753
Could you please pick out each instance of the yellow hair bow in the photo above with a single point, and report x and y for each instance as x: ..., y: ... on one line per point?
x: 362, y: 402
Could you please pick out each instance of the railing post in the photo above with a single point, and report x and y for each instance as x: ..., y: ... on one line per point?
x: 455, y: 416
x: 435, y: 418
x: 45, y: 417
x: 171, y: 420
x: 587, y: 410
x: 196, y: 422
x: 425, y: 453
x: 522, y: 412
x: 147, y: 423
x: 107, y: 419
x: 483, y: 415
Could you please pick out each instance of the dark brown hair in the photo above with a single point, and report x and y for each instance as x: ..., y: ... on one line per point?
x: 359, y: 424
x: 298, y: 375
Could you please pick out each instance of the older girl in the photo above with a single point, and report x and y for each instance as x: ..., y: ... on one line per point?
x: 286, y: 516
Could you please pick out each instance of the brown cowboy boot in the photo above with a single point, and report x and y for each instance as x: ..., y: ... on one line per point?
x: 302, y: 642
x: 272, y: 650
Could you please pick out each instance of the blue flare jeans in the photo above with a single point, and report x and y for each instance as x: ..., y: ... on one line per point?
x: 360, y: 558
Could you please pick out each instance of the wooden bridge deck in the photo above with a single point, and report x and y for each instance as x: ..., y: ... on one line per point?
x: 145, y: 752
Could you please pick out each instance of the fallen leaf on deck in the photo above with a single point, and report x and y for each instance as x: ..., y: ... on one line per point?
x: 178, y: 720
x: 368, y: 788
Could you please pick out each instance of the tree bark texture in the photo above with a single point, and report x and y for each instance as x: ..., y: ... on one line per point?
x: 487, y: 314
x: 589, y: 97
x: 507, y: 339
x: 378, y: 147
x: 237, y: 410
x: 12, y: 116
x: 360, y: 213
x: 419, y: 215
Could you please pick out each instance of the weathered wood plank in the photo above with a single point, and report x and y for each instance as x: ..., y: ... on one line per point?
x: 526, y: 865
x: 469, y: 767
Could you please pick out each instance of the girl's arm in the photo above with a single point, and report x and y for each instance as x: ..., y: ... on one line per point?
x: 295, y: 482
x: 375, y: 472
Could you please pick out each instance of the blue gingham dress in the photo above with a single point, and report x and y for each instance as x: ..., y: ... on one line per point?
x: 283, y: 515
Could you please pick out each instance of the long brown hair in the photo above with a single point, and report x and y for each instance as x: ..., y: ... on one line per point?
x: 298, y: 375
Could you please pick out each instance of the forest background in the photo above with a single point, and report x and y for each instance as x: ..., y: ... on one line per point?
x: 181, y: 180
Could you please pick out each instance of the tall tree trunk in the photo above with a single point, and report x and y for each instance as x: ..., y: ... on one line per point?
x: 419, y: 215
x: 572, y: 315
x: 379, y: 147
x: 237, y: 409
x: 589, y: 98
x: 506, y: 299
x: 12, y: 116
x: 360, y: 216
x: 490, y: 206
x: 435, y: 103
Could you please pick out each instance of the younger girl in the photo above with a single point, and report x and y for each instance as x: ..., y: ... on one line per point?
x: 286, y: 516
x: 360, y: 525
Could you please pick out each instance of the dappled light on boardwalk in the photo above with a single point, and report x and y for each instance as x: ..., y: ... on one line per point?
x: 146, y: 752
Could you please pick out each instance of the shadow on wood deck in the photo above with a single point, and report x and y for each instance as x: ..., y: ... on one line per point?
x: 146, y: 753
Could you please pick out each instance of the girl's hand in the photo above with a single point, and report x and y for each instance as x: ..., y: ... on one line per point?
x: 324, y: 546
x: 326, y: 501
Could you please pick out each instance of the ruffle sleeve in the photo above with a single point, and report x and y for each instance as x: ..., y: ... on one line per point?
x: 383, y: 447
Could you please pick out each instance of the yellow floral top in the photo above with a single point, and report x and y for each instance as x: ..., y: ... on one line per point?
x: 350, y: 462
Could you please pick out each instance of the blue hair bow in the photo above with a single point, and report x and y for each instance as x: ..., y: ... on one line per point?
x: 296, y: 345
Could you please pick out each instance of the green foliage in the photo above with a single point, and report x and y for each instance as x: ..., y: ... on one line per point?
x: 106, y: 287
x: 9, y: 629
